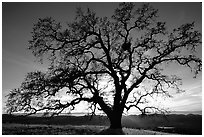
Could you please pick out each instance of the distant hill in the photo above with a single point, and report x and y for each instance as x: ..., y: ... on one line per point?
x: 187, y: 112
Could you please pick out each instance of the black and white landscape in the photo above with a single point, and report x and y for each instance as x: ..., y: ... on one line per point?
x: 126, y: 68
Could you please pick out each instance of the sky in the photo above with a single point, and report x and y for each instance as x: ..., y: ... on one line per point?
x: 18, y: 20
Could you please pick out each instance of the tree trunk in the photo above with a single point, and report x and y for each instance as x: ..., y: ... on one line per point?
x: 115, y: 120
x: 114, y: 115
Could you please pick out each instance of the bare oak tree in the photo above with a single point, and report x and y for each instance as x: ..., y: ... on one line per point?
x: 112, y: 63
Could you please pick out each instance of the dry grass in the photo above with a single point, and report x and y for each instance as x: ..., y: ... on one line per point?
x: 129, y: 131
x: 28, y: 129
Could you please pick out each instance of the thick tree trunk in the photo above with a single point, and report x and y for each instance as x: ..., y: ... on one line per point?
x: 114, y: 114
x: 115, y: 124
x: 115, y: 120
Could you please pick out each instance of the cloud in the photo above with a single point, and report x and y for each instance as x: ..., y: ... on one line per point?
x: 188, y: 106
x: 187, y: 101
x: 23, y: 60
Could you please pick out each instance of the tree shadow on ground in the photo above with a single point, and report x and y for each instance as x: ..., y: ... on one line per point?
x: 111, y: 131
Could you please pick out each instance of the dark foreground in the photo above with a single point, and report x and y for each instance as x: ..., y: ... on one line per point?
x: 30, y: 129
x: 62, y: 125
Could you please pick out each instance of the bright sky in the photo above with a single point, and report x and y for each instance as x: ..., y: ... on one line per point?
x: 18, y: 20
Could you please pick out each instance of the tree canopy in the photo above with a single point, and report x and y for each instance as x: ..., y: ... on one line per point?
x: 103, y: 61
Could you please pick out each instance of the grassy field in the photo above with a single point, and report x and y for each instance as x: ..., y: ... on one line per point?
x: 82, y: 125
x: 31, y: 129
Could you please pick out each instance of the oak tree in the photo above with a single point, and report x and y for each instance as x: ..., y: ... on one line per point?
x: 114, y: 63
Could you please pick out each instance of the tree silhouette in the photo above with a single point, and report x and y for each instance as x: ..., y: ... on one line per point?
x: 112, y: 63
